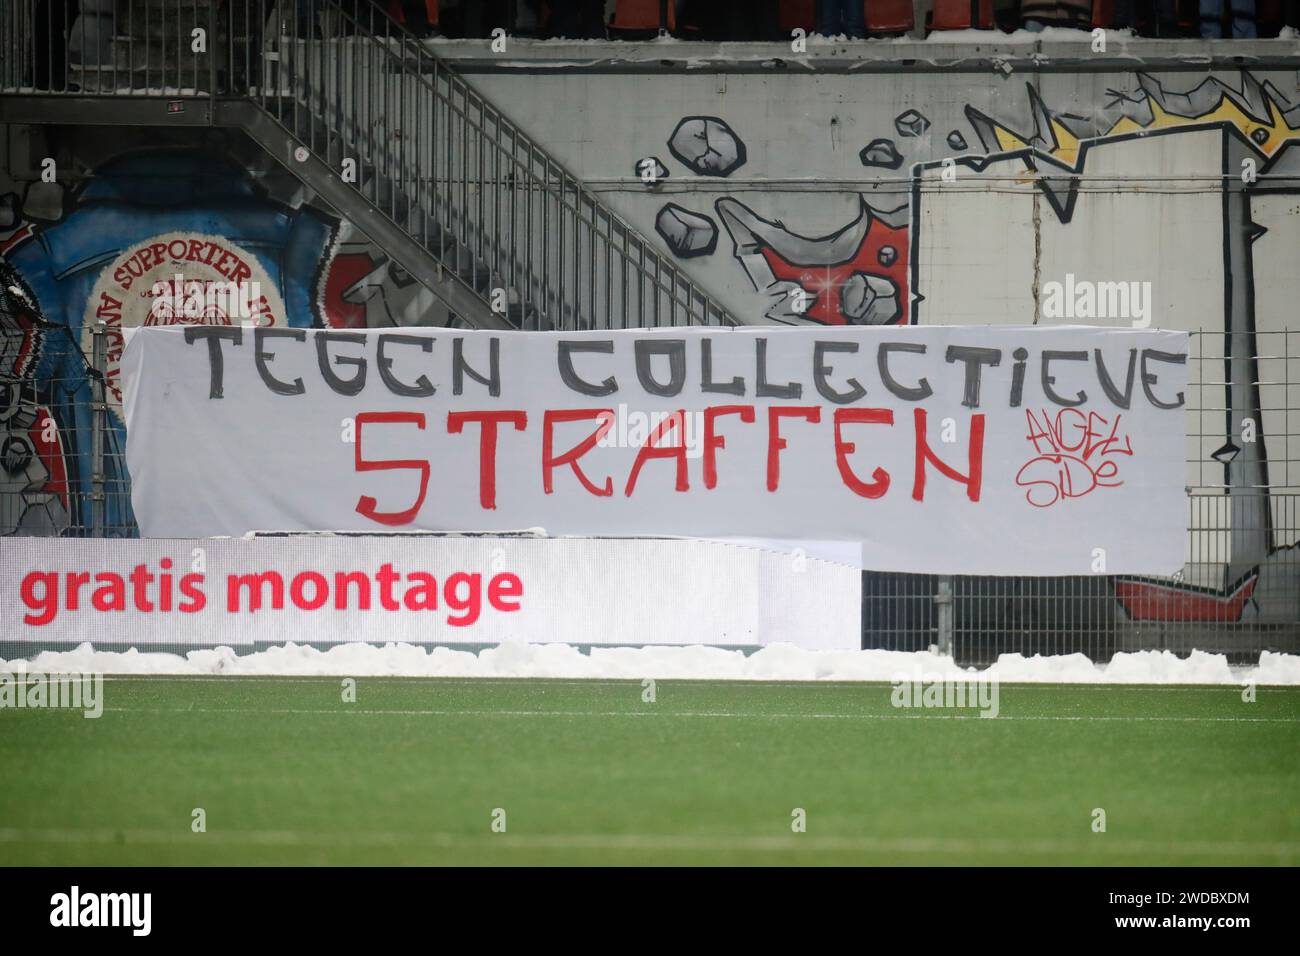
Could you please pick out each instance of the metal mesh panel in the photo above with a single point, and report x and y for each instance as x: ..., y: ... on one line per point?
x: 62, y: 448
x: 899, y: 611
x: 1239, y: 615
x: 1239, y: 591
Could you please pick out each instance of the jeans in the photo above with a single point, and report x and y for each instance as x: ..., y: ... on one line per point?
x: 841, y: 16
x: 578, y: 19
x: 304, y: 16
x: 1243, y: 18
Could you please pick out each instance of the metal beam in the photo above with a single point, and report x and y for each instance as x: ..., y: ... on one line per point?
x: 63, y: 109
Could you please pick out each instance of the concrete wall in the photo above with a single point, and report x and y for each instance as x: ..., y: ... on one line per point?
x: 1132, y: 168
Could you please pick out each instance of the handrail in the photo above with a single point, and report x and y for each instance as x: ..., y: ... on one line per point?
x: 584, y: 206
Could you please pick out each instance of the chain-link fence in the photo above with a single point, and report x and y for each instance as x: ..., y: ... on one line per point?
x: 1239, y: 591
x: 62, y: 443
x: 979, y: 618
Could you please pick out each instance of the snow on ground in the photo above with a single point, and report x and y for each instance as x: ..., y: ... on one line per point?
x: 783, y: 662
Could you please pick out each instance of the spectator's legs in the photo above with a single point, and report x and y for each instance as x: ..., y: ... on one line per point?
x: 528, y: 20
x: 752, y: 20
x: 596, y: 19
x: 1243, y: 19
x: 1212, y: 19
x: 740, y: 22
x: 853, y: 18
x: 304, y: 18
x: 709, y: 18
x: 476, y: 20
x: 416, y: 16
x: 768, y: 21
x: 578, y: 19
x: 1166, y: 21
x: 564, y: 20
x: 828, y: 17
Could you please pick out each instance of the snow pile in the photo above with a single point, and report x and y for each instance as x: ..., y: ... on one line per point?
x: 783, y: 662
x: 994, y: 37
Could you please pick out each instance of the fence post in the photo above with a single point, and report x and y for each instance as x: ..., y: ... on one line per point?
x: 216, y: 45
x: 99, y: 422
x: 943, y: 598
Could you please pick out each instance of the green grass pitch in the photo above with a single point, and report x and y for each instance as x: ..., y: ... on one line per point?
x: 587, y: 772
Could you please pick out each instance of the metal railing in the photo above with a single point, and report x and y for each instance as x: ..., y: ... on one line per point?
x: 111, y: 48
x: 1095, y: 615
x: 62, y: 447
x: 419, y: 144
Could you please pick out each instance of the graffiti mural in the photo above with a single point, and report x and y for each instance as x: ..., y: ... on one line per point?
x: 1256, y: 114
x: 362, y: 288
x: 33, y: 465
x: 855, y: 276
x: 152, y: 237
x: 976, y: 205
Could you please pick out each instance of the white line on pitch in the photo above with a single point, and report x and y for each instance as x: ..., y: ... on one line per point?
x: 633, y: 841
x: 346, y: 711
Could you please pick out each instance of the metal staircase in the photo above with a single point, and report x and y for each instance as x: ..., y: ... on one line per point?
x: 382, y: 130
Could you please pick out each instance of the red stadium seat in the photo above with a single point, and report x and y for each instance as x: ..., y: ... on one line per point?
x: 889, y: 16
x: 1103, y: 13
x: 797, y: 15
x: 643, y: 15
x: 958, y: 14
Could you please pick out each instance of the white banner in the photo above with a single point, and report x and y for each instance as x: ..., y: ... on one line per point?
x: 940, y: 449
x: 421, y: 589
